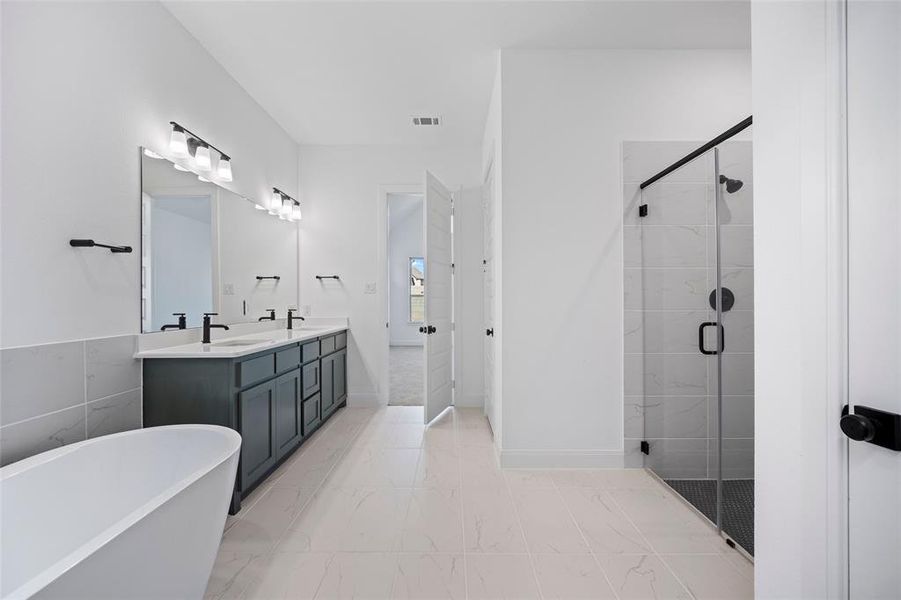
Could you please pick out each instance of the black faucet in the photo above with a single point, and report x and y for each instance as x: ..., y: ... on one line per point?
x: 207, y: 326
x: 291, y: 318
x: 271, y: 316
x: 182, y: 322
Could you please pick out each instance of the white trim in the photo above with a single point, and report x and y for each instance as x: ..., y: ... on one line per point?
x: 561, y: 459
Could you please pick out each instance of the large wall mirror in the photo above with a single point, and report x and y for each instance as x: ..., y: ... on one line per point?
x: 207, y: 249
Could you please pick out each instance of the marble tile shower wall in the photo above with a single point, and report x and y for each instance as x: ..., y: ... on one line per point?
x: 669, y: 271
x: 57, y: 394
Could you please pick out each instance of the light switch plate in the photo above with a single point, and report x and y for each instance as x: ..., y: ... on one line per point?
x: 370, y: 288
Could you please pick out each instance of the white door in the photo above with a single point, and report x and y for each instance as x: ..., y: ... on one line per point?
x: 874, y: 299
x: 489, y: 299
x: 437, y: 216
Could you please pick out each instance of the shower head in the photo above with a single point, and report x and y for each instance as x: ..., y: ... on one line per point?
x: 732, y: 185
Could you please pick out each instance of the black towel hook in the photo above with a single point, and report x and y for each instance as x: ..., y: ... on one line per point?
x: 77, y: 243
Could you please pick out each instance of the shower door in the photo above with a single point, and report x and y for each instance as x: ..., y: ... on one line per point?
x: 689, y: 327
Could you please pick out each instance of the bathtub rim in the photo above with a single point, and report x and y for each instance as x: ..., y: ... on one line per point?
x: 54, y: 571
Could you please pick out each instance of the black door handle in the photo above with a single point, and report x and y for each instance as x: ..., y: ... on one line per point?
x: 490, y: 332
x: 431, y: 329
x: 722, y: 337
x: 872, y: 425
x: 422, y: 330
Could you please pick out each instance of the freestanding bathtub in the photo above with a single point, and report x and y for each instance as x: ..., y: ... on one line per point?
x: 137, y: 514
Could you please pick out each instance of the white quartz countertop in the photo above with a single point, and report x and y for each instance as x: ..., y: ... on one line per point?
x: 238, y: 346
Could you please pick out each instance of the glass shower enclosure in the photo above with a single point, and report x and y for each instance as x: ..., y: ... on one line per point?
x: 689, y: 323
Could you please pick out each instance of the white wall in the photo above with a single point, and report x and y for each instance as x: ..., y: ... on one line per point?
x: 340, y: 235
x: 84, y: 85
x: 404, y: 242
x: 799, y: 496
x: 564, y: 116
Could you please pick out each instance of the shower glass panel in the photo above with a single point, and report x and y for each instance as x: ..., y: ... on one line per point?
x: 689, y: 327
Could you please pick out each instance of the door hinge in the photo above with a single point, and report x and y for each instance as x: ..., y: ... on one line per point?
x: 453, y: 384
x: 453, y: 267
x: 645, y: 447
x: 643, y: 210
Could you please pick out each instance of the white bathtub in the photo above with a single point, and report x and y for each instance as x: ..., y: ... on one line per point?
x: 137, y: 514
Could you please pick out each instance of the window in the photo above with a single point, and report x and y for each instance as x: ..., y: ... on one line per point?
x: 417, y: 289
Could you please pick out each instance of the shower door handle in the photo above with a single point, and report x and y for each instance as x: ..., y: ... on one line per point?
x: 722, y: 337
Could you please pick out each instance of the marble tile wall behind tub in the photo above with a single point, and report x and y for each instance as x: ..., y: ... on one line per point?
x: 669, y: 270
x: 56, y: 394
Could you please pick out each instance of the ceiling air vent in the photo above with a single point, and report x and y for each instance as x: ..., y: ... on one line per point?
x: 426, y: 121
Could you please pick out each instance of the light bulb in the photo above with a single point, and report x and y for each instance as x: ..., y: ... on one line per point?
x: 286, y: 207
x: 203, y: 179
x: 295, y: 213
x: 224, y: 170
x: 202, y: 157
x: 181, y: 168
x: 275, y: 203
x: 151, y: 154
x: 178, y: 142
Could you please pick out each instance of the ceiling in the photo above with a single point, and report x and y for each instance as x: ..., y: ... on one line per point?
x: 355, y: 72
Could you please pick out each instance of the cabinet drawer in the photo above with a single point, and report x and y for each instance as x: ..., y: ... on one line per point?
x: 256, y: 369
x: 310, y: 351
x: 311, y: 379
x: 341, y: 340
x: 327, y: 345
x: 311, y: 417
x: 287, y: 359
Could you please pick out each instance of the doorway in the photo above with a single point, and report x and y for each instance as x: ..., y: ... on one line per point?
x: 406, y: 300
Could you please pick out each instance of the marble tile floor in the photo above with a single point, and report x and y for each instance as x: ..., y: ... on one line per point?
x: 378, y: 506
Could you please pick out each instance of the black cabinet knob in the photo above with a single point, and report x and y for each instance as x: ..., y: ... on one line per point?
x: 858, y: 427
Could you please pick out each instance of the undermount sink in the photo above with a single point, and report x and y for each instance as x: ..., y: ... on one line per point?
x: 233, y: 343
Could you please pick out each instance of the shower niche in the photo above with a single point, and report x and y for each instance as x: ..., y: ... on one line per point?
x: 689, y: 324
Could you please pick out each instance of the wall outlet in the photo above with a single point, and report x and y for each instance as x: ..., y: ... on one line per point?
x: 370, y: 288
x: 228, y: 289
x: 307, y: 310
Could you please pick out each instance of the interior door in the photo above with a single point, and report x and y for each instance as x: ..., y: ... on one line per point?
x: 874, y: 299
x: 489, y: 299
x: 437, y: 217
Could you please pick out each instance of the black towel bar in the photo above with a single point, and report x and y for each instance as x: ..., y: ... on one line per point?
x: 92, y: 244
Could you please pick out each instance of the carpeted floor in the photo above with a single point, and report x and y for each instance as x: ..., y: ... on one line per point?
x: 405, y: 364
x: 738, y: 505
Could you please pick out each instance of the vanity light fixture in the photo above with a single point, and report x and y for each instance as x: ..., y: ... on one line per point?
x: 224, y: 170
x: 202, y: 157
x: 151, y: 154
x: 203, y: 179
x: 178, y: 167
x: 283, y: 205
x: 178, y: 141
x: 184, y: 143
x: 275, y: 203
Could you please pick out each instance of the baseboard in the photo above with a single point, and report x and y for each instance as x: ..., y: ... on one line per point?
x: 407, y: 344
x: 561, y: 459
x: 364, y: 400
x: 469, y: 400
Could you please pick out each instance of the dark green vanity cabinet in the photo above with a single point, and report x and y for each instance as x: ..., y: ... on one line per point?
x: 275, y: 399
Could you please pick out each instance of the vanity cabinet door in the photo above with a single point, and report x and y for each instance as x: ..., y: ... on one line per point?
x: 288, y: 421
x: 256, y: 411
x: 339, y: 373
x: 327, y: 388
